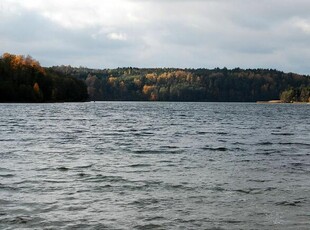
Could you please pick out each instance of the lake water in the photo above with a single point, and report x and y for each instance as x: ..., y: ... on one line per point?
x: 142, y: 165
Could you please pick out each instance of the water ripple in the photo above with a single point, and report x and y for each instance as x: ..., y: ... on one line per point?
x: 141, y: 165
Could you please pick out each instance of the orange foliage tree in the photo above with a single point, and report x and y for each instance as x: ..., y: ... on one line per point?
x: 151, y: 92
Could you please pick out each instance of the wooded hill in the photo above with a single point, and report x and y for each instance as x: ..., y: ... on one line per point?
x: 166, y: 84
x: 22, y: 79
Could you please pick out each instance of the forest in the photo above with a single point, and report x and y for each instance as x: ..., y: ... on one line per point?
x: 22, y: 79
x: 301, y: 94
x: 168, y: 84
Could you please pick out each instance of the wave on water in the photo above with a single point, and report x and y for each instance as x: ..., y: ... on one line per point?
x: 143, y: 165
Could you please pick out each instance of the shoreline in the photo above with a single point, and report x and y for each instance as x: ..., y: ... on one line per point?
x: 281, y: 102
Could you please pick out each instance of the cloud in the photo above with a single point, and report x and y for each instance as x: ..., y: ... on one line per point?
x: 117, y: 36
x: 304, y: 25
x: 149, y: 33
x: 77, y: 14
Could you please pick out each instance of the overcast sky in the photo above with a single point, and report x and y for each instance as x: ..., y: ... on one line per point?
x: 160, y: 33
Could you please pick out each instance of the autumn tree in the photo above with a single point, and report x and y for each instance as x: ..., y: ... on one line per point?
x: 22, y: 79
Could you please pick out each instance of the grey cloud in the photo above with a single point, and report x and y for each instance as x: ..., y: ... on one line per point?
x: 211, y: 33
x: 30, y: 33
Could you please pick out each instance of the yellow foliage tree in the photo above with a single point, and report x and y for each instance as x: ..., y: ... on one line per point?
x: 112, y: 81
x: 19, y: 61
x: 37, y: 92
x: 137, y: 82
x: 147, y: 89
x: 151, y: 92
x: 151, y: 77
x: 36, y: 88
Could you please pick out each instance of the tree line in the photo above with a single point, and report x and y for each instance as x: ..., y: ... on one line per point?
x: 169, y: 84
x: 301, y: 94
x: 22, y: 79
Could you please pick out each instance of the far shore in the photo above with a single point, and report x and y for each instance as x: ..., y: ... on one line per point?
x: 281, y: 102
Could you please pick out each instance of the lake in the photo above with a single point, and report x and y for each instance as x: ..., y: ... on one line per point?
x: 144, y: 165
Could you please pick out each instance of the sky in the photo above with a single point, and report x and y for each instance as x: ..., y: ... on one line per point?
x: 159, y: 33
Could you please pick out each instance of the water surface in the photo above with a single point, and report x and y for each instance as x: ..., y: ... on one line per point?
x: 142, y: 165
